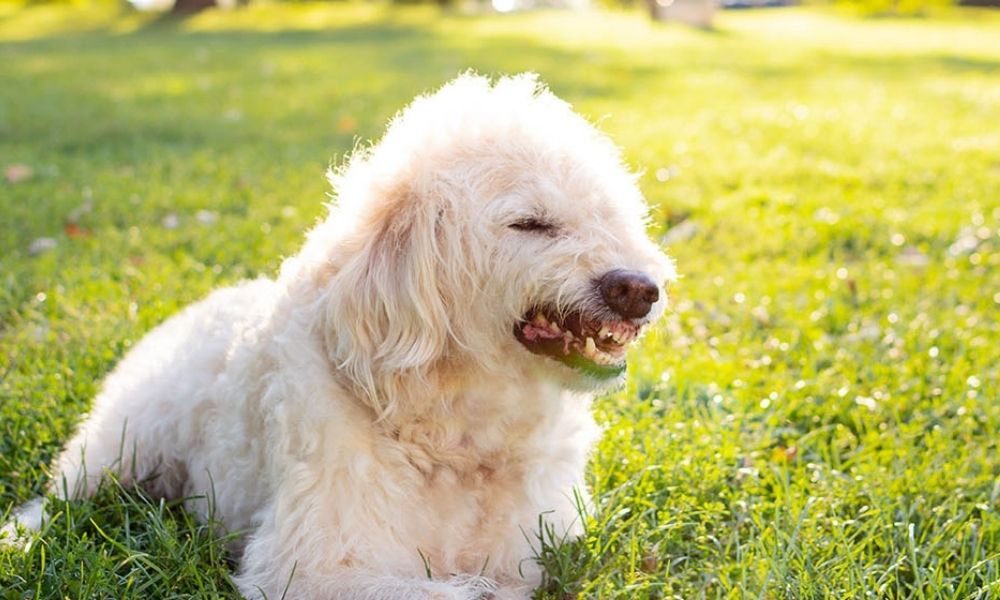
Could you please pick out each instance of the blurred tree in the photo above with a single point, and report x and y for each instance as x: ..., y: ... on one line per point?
x: 696, y: 13
x: 191, y: 6
x: 896, y: 7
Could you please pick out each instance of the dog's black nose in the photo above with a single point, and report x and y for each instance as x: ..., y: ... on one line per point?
x: 629, y: 293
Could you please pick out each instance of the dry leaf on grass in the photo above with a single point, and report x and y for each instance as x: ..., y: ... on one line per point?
x: 17, y: 173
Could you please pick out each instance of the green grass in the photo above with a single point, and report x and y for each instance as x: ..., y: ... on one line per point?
x: 818, y: 416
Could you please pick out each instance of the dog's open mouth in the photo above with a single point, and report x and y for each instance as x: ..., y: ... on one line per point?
x: 592, y: 346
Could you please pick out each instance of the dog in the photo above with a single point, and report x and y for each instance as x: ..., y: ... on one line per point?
x: 401, y: 410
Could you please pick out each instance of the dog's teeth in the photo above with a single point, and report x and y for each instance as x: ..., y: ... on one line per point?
x: 591, y: 347
x: 604, y: 333
x: 541, y: 320
x: 601, y: 358
x: 554, y: 327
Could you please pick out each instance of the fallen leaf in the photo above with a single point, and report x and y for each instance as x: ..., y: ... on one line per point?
x: 650, y: 562
x: 784, y: 455
x: 347, y: 124
x: 75, y: 232
x: 17, y: 173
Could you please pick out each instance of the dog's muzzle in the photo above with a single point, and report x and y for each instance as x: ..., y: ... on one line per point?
x: 593, y: 341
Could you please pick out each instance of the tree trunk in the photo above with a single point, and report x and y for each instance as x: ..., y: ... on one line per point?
x: 191, y: 6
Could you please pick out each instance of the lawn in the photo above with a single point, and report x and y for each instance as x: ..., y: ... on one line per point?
x: 818, y: 416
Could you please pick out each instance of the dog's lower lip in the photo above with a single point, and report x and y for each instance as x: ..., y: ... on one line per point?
x: 592, y: 346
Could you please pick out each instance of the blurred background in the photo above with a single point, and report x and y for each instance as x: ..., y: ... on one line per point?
x: 684, y: 10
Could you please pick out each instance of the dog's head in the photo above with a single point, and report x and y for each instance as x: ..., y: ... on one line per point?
x: 492, y: 230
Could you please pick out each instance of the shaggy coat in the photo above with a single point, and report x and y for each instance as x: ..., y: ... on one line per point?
x: 369, y: 420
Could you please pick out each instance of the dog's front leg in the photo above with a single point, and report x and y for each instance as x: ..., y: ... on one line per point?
x: 357, y: 584
x: 517, y: 592
x: 272, y: 568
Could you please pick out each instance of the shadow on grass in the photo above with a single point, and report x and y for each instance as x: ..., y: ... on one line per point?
x: 161, y: 85
x: 163, y: 98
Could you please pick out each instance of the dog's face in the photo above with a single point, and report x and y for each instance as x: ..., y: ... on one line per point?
x: 492, y: 231
x: 556, y: 260
x: 574, y: 270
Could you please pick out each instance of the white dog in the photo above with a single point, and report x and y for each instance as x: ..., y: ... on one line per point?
x: 391, y: 417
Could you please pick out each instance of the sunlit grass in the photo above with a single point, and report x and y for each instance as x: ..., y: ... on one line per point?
x: 817, y: 417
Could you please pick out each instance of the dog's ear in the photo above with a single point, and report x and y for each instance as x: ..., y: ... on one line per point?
x: 386, y: 320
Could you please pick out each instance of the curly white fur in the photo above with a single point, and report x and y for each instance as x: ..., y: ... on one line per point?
x: 369, y: 418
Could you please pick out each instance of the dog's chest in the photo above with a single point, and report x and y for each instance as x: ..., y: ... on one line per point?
x: 471, y: 494
x: 454, y: 489
x: 467, y: 506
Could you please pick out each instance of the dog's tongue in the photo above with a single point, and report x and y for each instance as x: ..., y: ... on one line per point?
x: 534, y: 333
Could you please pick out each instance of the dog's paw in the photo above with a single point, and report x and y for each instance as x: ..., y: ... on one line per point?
x: 10, y: 537
x: 464, y: 587
x: 510, y: 593
x: 24, y: 523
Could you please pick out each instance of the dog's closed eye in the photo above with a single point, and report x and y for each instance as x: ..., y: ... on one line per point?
x: 534, y: 225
